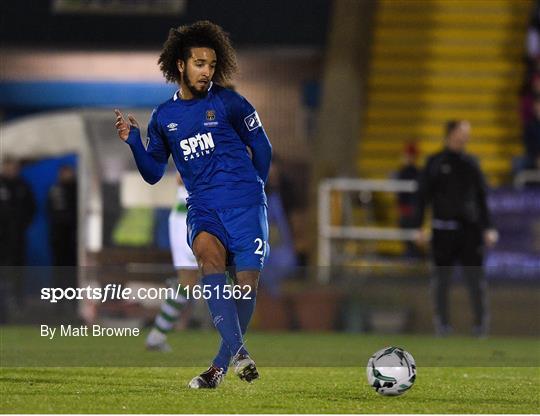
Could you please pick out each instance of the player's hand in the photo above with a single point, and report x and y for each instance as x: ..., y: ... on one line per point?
x: 421, y: 237
x: 491, y: 237
x: 122, y: 126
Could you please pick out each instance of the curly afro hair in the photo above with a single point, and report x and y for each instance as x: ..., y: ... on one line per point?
x: 203, y: 34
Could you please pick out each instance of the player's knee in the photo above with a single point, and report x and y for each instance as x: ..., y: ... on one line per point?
x: 210, y: 255
x: 210, y: 266
x: 211, y: 262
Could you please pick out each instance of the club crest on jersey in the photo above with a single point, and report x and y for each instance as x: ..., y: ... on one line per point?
x: 210, y: 119
x: 252, y: 121
x: 172, y: 126
x: 197, y: 146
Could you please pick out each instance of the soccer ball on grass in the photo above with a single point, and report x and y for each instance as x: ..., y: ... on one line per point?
x: 391, y: 371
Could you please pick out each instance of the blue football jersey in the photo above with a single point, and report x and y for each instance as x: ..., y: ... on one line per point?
x: 207, y: 138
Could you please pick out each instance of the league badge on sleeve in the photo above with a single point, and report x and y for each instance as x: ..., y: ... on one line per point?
x: 252, y: 121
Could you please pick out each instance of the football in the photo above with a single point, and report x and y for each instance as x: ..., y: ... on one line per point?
x: 391, y: 371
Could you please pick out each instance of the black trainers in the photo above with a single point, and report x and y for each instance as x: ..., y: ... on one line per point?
x: 210, y: 379
x: 244, y: 367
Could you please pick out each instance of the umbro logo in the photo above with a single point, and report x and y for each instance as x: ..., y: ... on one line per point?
x: 172, y: 126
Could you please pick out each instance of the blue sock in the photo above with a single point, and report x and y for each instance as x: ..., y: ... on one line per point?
x: 245, y: 308
x: 224, y: 313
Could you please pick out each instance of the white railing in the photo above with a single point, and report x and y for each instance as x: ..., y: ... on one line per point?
x: 329, y: 232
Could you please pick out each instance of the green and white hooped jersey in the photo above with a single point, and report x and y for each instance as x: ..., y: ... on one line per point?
x: 181, y: 252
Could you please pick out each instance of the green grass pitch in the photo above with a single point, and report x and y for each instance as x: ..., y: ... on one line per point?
x: 300, y: 373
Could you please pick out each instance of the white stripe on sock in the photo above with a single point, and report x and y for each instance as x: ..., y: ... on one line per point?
x: 169, y: 310
x: 163, y: 324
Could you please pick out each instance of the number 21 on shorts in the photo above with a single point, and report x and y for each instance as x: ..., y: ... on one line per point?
x: 261, y: 246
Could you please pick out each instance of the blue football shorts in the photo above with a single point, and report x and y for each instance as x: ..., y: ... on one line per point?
x: 243, y: 231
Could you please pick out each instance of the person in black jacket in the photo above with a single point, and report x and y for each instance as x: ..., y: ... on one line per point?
x: 453, y: 184
x: 62, y: 210
x: 17, y: 208
x: 407, y: 201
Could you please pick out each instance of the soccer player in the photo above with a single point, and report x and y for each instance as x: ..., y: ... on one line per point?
x: 207, y: 130
x: 184, y: 264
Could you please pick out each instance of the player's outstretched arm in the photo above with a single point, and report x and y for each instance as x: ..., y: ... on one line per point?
x: 151, y: 166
